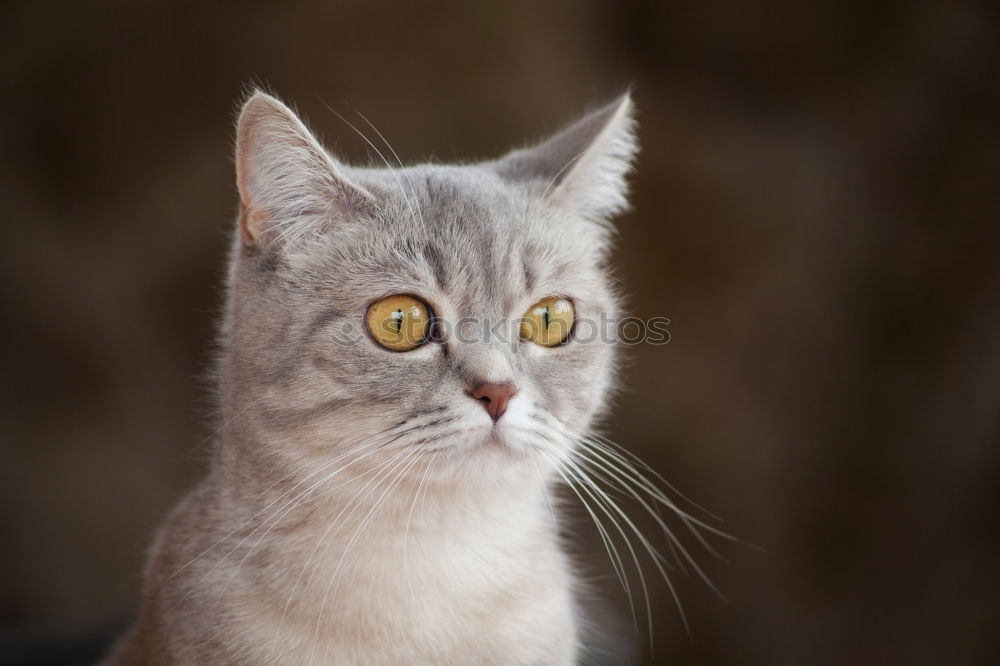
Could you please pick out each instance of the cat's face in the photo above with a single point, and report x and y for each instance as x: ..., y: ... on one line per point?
x: 380, y: 309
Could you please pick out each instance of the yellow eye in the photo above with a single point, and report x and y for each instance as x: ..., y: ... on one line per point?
x: 548, y: 322
x: 399, y: 323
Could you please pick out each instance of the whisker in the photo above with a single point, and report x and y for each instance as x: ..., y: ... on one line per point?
x: 381, y: 472
x: 276, y: 520
x: 378, y: 152
x: 205, y: 440
x: 402, y: 168
x: 606, y: 503
x: 622, y: 451
x: 609, y: 546
x: 334, y: 579
x: 596, y: 458
x: 366, y: 448
x: 639, y: 461
x: 310, y: 475
x: 660, y: 497
x: 409, y: 518
x: 667, y: 531
x: 655, y: 492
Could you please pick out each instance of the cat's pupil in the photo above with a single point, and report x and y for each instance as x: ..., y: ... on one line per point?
x: 398, y: 316
x: 545, y: 317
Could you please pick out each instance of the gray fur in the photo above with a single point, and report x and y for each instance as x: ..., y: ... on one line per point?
x: 476, y: 574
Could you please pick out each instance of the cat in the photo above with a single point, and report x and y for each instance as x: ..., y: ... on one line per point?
x: 380, y: 488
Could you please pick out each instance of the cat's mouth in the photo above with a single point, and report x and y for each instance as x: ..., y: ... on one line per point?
x: 504, y: 439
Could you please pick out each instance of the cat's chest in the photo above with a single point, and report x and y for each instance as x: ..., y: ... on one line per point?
x: 414, y: 608
x: 430, y: 585
x: 414, y: 572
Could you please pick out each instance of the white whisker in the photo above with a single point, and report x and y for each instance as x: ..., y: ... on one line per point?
x: 351, y: 451
x: 381, y: 471
x: 410, y: 206
x: 666, y: 530
x: 609, y: 545
x: 402, y: 168
x: 607, y: 504
x: 334, y: 578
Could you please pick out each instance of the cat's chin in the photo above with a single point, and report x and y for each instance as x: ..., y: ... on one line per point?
x: 500, y: 439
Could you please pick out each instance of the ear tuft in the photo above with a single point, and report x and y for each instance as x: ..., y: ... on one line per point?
x: 584, y: 166
x: 287, y: 182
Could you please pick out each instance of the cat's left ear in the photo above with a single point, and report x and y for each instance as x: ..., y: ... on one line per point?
x: 289, y: 186
x: 583, y: 167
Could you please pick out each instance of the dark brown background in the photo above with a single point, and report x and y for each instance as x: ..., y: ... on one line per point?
x: 816, y: 211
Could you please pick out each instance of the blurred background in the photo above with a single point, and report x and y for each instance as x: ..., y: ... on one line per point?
x: 817, y: 210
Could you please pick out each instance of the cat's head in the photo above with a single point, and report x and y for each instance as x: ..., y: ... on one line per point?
x: 377, y: 310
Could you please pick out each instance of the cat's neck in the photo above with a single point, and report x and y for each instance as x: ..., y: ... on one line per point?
x: 346, y: 558
x: 387, y: 534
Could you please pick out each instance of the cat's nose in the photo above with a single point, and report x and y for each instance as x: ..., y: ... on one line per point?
x: 494, y: 397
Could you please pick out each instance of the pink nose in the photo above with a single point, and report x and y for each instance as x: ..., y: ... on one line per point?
x: 494, y: 397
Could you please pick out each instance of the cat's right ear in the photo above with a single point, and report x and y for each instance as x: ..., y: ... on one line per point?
x: 289, y: 186
x: 584, y: 167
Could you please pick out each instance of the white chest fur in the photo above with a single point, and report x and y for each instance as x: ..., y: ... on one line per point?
x: 421, y: 582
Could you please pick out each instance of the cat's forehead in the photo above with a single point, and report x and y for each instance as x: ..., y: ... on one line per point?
x: 455, y: 206
x: 435, y: 197
x: 466, y: 232
x: 459, y: 206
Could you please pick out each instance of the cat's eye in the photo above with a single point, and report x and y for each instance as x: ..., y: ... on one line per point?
x: 548, y: 322
x: 399, y: 323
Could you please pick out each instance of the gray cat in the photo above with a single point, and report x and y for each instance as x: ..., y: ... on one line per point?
x: 380, y: 489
